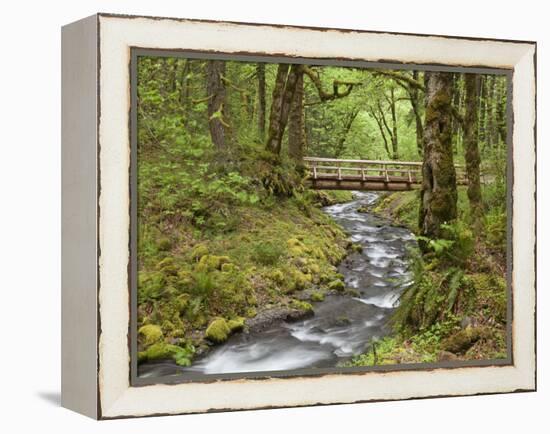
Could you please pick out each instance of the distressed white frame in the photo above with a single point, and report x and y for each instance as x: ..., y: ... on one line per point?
x: 116, y: 35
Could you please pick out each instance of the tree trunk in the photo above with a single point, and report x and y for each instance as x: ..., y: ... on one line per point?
x: 415, y: 103
x: 500, y: 133
x: 393, y: 138
x: 438, y: 195
x: 215, y: 88
x: 260, y: 71
x: 296, y: 124
x: 394, y: 141
x: 345, y: 131
x: 490, y: 126
x: 382, y: 133
x: 471, y: 149
x: 482, y: 124
x: 285, y: 84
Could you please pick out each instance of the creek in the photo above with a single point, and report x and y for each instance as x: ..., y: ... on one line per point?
x: 342, y: 325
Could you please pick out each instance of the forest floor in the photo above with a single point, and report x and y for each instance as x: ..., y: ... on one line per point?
x: 265, y: 264
x: 453, y: 312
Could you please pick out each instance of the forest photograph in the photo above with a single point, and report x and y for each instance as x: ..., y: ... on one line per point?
x: 301, y: 216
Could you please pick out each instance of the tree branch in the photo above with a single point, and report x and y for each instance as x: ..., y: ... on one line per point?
x: 336, y: 84
x: 402, y: 78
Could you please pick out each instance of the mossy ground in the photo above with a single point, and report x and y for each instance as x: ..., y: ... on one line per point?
x: 457, y: 309
x: 197, y: 286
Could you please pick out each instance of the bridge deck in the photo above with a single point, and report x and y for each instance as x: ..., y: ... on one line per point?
x: 372, y: 175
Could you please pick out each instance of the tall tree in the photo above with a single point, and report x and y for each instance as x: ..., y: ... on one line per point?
x: 296, y: 123
x: 393, y: 131
x: 377, y: 113
x: 471, y: 149
x: 417, y: 110
x: 283, y: 91
x: 346, y: 127
x: 438, y: 195
x: 411, y: 83
x: 215, y: 89
x: 260, y: 73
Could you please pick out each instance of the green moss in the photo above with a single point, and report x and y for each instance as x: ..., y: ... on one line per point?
x: 251, y: 312
x: 164, y: 244
x: 185, y: 278
x: 199, y: 251
x: 160, y: 350
x: 218, y: 331
x: 356, y: 247
x: 212, y: 262
x: 318, y: 253
x: 464, y: 339
x: 304, y: 306
x: 228, y: 268
x: 151, y: 285
x: 236, y: 324
x: 150, y: 334
x: 267, y: 252
x: 294, y: 242
x: 314, y: 268
x: 298, y: 280
x: 336, y: 285
x: 276, y: 276
x: 168, y: 266
x: 317, y: 296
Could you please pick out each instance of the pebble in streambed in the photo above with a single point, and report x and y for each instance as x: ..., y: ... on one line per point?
x: 342, y: 326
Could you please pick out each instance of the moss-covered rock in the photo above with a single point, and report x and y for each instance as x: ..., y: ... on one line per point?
x: 317, y: 296
x: 160, y: 350
x: 211, y: 263
x: 236, y: 324
x: 199, y: 251
x: 218, y: 331
x: 336, y: 285
x: 228, y: 268
x: 314, y: 268
x: 300, y: 305
x: 461, y: 341
x: 185, y: 278
x: 298, y: 280
x: 150, y: 334
x: 251, y: 312
x: 168, y: 266
x: 356, y: 247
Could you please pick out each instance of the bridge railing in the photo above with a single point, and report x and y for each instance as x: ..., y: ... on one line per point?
x: 409, y: 172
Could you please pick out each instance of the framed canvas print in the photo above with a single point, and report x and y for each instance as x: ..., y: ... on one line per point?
x: 261, y: 216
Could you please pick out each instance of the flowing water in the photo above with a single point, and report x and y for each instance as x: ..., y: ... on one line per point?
x: 342, y: 326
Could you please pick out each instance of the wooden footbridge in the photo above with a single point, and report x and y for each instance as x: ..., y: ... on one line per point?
x: 372, y: 175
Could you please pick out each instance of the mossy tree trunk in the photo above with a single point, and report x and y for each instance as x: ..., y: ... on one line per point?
x: 215, y: 89
x: 471, y: 148
x: 283, y: 91
x: 482, y: 124
x: 438, y: 195
x: 296, y: 124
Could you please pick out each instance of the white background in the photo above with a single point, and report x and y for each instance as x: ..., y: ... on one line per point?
x: 30, y: 217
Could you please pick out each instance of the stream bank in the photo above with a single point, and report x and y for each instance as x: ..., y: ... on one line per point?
x: 343, y: 324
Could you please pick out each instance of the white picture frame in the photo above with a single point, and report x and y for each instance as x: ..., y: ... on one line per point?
x: 96, y: 298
